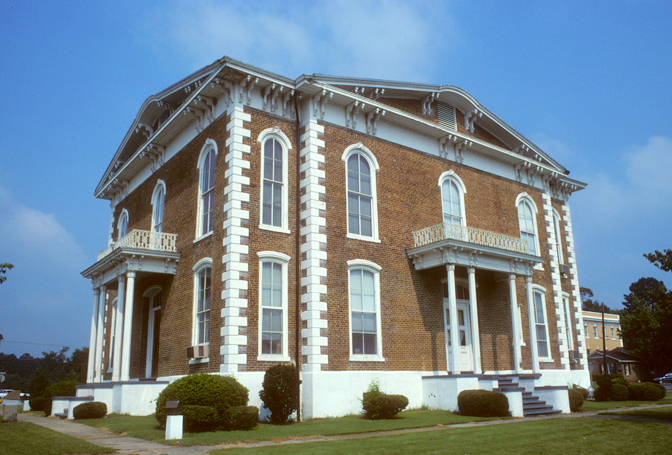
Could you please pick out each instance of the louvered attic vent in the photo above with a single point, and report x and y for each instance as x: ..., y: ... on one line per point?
x: 446, y: 115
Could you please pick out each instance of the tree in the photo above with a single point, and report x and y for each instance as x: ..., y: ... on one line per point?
x: 661, y: 260
x: 588, y: 304
x: 3, y: 270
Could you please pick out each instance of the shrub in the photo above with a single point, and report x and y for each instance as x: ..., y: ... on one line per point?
x: 379, y: 405
x: 92, y: 410
x: 603, y: 390
x: 620, y: 380
x: 59, y: 389
x: 199, y: 418
x: 483, y: 403
x: 619, y: 392
x: 38, y: 403
x: 241, y: 418
x: 218, y: 392
x: 584, y: 392
x: 661, y: 388
x: 644, y: 392
x: 576, y: 399
x: 280, y: 392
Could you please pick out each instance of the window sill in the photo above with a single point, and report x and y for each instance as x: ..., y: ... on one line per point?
x: 267, y: 227
x: 197, y: 361
x: 366, y: 358
x: 273, y: 358
x: 546, y: 360
x: 204, y: 236
x: 363, y: 237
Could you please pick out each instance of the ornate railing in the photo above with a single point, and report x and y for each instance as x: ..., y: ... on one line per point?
x: 147, y: 240
x: 445, y: 231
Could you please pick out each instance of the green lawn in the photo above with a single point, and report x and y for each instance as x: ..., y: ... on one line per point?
x: 654, y: 413
x: 147, y: 427
x: 602, y: 405
x: 24, y: 438
x: 556, y: 436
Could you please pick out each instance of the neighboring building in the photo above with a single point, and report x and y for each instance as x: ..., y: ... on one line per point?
x: 592, y: 324
x: 359, y: 228
x: 619, y: 361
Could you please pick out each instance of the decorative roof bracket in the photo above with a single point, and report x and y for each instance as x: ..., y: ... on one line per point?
x: 320, y: 101
x: 208, y: 106
x: 145, y: 130
x: 372, y: 120
x: 224, y: 86
x: 460, y: 148
x: 196, y: 114
x: 155, y: 154
x: 444, y: 143
x: 427, y: 103
x: 470, y: 119
x: 286, y: 109
x: 246, y: 87
x: 351, y: 112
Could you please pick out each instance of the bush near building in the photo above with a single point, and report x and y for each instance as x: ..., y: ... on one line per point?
x: 92, y: 410
x: 483, y: 403
x: 576, y: 399
x: 280, y: 392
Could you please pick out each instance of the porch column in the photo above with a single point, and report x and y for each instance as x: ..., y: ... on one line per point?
x: 94, y: 337
x: 128, y: 327
x: 118, y: 328
x: 98, y: 363
x: 514, y: 322
x: 475, y: 335
x: 533, y: 327
x: 454, y: 327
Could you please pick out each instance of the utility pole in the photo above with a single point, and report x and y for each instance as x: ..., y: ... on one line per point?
x: 604, y: 343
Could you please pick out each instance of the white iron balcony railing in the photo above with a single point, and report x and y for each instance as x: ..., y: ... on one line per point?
x: 146, y: 240
x: 446, y: 231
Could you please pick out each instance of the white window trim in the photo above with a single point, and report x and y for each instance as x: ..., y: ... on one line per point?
x: 124, y: 214
x: 541, y: 290
x: 535, y: 211
x: 114, y: 307
x: 283, y: 260
x: 160, y: 184
x: 277, y: 134
x: 150, y: 294
x: 362, y: 264
x: 558, y: 237
x: 453, y: 177
x: 198, y: 267
x: 210, y: 144
x: 566, y: 310
x: 368, y: 155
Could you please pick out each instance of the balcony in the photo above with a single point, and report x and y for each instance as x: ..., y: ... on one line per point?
x: 144, y: 240
x: 448, y: 243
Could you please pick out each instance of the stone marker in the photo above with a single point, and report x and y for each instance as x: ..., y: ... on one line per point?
x: 12, y: 402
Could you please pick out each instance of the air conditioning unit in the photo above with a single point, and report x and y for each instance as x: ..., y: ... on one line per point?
x: 574, y: 356
x: 198, y: 352
x: 564, y: 269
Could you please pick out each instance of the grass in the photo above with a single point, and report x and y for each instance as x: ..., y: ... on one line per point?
x: 589, y: 406
x: 147, y: 427
x: 654, y: 413
x: 551, y: 437
x: 24, y: 438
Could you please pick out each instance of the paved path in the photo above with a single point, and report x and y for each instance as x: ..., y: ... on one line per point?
x: 136, y: 446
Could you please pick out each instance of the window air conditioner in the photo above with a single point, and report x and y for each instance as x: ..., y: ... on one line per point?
x: 564, y: 269
x: 574, y: 355
x: 198, y: 352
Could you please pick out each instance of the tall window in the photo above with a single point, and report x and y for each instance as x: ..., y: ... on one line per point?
x: 273, y: 304
x: 158, y: 201
x: 452, y: 192
x: 202, y: 301
x: 113, y: 336
x: 558, y: 238
x: 272, y: 197
x: 540, y: 323
x: 585, y: 330
x: 528, y: 225
x: 568, y: 321
x: 207, y: 164
x: 361, y: 168
x: 122, y: 225
x: 365, y: 310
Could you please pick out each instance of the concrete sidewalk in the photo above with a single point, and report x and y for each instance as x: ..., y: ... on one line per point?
x: 136, y: 446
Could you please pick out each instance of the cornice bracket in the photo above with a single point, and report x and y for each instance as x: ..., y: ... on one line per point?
x: 320, y: 101
x: 427, y: 103
x: 372, y: 120
x: 445, y: 143
x: 470, y: 119
x: 351, y: 112
x: 145, y: 130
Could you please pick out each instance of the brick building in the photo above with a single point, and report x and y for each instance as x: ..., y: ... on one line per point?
x: 358, y: 228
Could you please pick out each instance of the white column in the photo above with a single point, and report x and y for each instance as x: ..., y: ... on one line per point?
x: 92, y: 340
x: 128, y: 327
x: 118, y: 329
x: 475, y: 334
x: 533, y: 328
x: 454, y: 326
x: 97, y: 366
x: 514, y: 322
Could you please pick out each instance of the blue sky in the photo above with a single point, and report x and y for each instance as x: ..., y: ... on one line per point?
x: 589, y: 82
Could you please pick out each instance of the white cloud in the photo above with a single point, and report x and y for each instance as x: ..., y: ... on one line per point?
x: 368, y: 38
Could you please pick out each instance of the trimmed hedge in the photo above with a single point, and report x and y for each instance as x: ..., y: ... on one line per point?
x: 241, y: 417
x: 280, y: 392
x: 644, y: 391
x: 203, y: 390
x: 483, y: 403
x: 619, y: 392
x: 661, y: 388
x: 576, y: 399
x: 199, y: 418
x: 604, y: 385
x: 379, y: 405
x: 583, y: 391
x: 38, y: 403
x: 92, y: 410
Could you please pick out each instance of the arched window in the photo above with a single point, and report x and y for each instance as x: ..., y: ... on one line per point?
x: 158, y: 202
x: 361, y: 167
x: 540, y: 323
x: 122, y: 225
x: 527, y: 211
x: 365, y: 318
x: 202, y: 301
x: 567, y: 311
x: 452, y: 192
x: 274, y: 175
x: 207, y: 165
x: 558, y: 236
x: 273, y: 306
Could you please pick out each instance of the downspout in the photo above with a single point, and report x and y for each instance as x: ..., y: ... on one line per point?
x: 298, y: 342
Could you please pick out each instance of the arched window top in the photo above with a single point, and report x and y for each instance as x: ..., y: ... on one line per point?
x: 452, y: 176
x: 527, y: 219
x: 273, y: 255
x: 277, y: 134
x: 152, y: 291
x: 362, y: 150
x: 203, y: 263
x: 158, y: 202
x: 363, y: 263
x: 524, y: 197
x: 209, y: 146
x: 360, y: 174
x: 452, y: 195
x: 122, y: 225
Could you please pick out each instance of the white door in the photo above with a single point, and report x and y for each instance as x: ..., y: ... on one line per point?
x: 464, y: 336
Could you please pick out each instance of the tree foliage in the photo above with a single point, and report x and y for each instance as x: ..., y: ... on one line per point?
x: 3, y: 270
x: 588, y: 304
x: 646, y: 321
